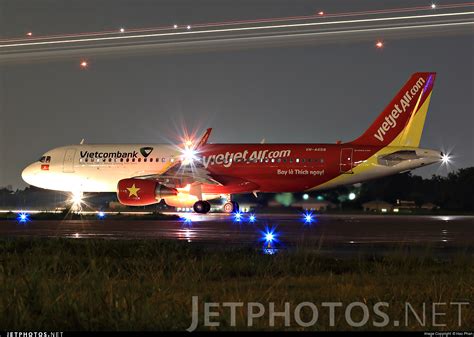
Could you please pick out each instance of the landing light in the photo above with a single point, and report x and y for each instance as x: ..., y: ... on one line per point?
x: 305, y: 196
x: 189, y: 155
x: 433, y: 6
x: 76, y: 200
x: 122, y: 30
x: 379, y: 44
x: 352, y: 196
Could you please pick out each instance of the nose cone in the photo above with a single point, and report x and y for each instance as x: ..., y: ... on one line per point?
x: 29, y: 174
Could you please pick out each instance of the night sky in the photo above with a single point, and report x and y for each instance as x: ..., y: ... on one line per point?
x: 306, y: 93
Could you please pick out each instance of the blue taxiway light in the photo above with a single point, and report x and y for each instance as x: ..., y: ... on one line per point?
x: 269, y: 235
x: 187, y: 218
x: 101, y: 215
x: 238, y: 216
x: 252, y: 218
x: 23, y: 217
x: 308, y: 218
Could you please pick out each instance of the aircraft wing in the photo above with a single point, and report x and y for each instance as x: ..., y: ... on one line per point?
x: 179, y: 175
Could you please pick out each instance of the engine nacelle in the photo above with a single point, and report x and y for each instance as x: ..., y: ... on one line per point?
x: 142, y: 192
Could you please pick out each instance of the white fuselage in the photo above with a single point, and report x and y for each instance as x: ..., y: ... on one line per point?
x: 98, y: 168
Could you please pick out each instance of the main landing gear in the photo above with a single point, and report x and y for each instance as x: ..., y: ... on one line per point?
x: 231, y: 207
x: 202, y: 207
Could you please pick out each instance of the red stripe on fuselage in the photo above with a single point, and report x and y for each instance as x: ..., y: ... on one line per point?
x: 295, y: 167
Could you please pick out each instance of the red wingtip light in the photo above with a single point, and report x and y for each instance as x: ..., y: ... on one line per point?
x: 320, y: 13
x: 379, y: 44
x: 84, y: 64
x: 29, y: 34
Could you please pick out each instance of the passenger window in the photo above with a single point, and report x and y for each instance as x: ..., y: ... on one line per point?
x: 297, y: 160
x: 163, y: 160
x: 133, y: 159
x: 145, y: 160
x: 139, y: 160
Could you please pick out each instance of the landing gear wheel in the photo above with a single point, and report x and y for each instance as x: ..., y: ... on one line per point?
x: 231, y: 207
x: 202, y: 207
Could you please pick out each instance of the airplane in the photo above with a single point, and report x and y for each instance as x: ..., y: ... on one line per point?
x: 194, y: 173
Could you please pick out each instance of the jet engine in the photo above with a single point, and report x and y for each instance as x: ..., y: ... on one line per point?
x: 142, y: 192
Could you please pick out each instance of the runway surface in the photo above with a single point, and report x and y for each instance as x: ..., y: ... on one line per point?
x: 332, y: 233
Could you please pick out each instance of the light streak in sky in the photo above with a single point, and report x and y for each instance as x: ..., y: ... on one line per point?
x: 260, y: 28
x: 262, y: 20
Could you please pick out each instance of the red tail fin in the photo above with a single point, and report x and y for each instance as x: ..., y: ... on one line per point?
x: 399, y: 114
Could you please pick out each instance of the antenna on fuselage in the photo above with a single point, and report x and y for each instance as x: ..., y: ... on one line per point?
x: 262, y: 141
x: 82, y: 141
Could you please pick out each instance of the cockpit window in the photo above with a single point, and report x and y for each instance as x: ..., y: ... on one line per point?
x: 45, y: 159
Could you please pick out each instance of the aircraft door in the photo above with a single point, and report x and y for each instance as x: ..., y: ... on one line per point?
x: 346, y: 160
x: 68, y: 164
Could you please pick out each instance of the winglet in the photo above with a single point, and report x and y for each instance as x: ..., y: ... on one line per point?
x: 204, y: 138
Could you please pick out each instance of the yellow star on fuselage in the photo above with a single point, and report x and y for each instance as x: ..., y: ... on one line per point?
x: 133, y: 191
